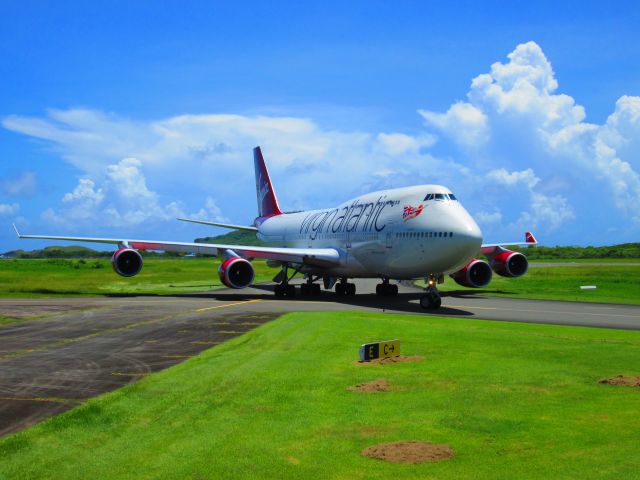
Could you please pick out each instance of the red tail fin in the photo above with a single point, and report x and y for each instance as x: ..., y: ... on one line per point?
x: 529, y: 238
x: 267, y: 201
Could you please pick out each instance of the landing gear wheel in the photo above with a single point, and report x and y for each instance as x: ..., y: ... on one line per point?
x: 309, y: 289
x: 279, y: 290
x: 341, y: 290
x: 430, y: 301
x: 386, y: 290
x: 290, y: 290
x: 351, y: 288
x: 284, y: 290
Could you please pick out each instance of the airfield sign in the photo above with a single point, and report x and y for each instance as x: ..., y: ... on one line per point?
x: 372, y: 351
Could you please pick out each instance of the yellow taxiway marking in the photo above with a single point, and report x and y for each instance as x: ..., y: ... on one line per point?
x: 42, y: 399
x: 224, y: 306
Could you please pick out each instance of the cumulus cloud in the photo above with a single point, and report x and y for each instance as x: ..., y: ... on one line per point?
x: 517, y: 150
x: 8, y: 209
x: 523, y: 121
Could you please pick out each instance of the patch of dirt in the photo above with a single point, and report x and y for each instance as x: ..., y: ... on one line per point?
x: 622, y: 380
x: 380, y: 385
x: 398, y: 359
x: 409, y: 452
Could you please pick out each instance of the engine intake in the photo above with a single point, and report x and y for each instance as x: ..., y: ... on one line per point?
x: 510, y: 264
x: 236, y: 272
x: 476, y: 274
x: 127, y: 262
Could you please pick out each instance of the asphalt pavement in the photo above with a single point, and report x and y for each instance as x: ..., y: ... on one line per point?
x: 81, y: 347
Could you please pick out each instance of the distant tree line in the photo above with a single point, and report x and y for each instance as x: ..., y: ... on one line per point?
x: 625, y: 250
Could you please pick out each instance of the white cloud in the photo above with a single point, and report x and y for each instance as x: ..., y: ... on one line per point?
x: 464, y: 123
x: 8, y: 209
x: 396, y: 144
x: 503, y: 177
x: 210, y: 212
x: 516, y: 148
x: 23, y: 184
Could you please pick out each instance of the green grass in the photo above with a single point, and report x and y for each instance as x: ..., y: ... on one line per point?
x: 62, y: 277
x: 615, y: 284
x: 513, y: 400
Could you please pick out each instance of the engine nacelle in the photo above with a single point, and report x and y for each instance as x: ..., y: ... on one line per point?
x: 236, y: 272
x: 510, y: 264
x: 127, y: 262
x: 476, y: 274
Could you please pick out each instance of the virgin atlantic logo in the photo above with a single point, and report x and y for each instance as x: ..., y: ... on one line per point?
x: 410, y: 212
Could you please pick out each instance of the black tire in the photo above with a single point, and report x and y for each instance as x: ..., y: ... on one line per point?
x: 426, y: 302
x: 290, y: 291
x: 393, y: 290
x: 437, y: 301
x: 305, y: 289
x: 351, y: 288
x: 379, y: 289
x: 340, y: 289
x: 279, y: 290
x: 315, y: 289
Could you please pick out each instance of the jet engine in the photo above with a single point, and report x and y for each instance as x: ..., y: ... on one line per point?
x: 476, y: 274
x: 127, y: 262
x: 236, y: 272
x: 510, y: 264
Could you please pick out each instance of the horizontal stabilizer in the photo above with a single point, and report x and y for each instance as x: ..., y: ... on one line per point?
x: 223, y: 225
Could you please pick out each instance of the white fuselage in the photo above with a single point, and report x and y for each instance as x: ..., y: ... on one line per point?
x: 401, y: 233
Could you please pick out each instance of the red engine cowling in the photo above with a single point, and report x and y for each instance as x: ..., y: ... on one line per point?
x: 127, y: 262
x: 476, y: 274
x: 510, y: 264
x: 236, y: 272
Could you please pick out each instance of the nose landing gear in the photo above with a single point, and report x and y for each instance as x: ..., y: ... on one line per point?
x: 431, y: 299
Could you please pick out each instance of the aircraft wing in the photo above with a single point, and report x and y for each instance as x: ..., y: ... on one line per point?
x: 491, y: 248
x: 223, y: 225
x: 310, y: 256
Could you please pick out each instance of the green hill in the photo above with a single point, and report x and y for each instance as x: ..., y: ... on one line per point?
x: 235, y: 237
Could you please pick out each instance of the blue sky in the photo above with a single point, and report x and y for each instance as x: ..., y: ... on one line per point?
x: 115, y: 117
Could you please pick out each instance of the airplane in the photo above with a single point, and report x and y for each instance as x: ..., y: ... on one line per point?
x: 417, y: 232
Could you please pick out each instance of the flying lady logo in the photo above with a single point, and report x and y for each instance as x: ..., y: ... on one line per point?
x: 410, y: 212
x: 263, y: 188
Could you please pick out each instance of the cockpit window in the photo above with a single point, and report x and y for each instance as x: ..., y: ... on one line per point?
x: 439, y: 196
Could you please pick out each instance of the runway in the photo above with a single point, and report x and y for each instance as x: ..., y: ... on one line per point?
x: 86, y: 346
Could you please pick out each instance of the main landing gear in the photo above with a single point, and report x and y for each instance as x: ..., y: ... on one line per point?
x: 431, y: 299
x: 284, y: 288
x: 385, y: 289
x: 344, y: 288
x: 309, y: 289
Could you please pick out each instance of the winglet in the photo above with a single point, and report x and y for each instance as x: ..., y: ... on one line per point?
x: 17, y: 232
x: 529, y: 238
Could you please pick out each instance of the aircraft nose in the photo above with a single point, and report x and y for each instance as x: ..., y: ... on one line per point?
x: 469, y: 233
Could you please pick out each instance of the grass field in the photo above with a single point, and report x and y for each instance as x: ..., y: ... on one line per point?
x: 513, y: 401
x: 615, y: 284
x: 159, y: 276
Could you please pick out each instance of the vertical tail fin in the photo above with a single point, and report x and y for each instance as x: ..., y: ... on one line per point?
x: 267, y: 201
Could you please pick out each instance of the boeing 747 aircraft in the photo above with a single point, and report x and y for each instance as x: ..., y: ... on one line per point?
x: 397, y: 234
